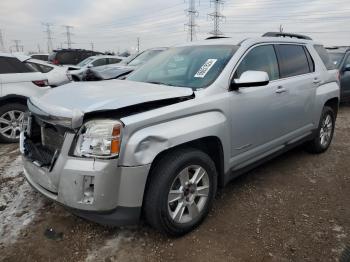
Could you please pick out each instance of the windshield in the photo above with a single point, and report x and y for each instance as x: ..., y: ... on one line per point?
x: 143, y: 57
x: 85, y: 62
x: 336, y: 58
x: 191, y: 66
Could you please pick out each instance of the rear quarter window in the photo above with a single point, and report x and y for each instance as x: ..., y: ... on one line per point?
x: 293, y: 60
x: 324, y: 55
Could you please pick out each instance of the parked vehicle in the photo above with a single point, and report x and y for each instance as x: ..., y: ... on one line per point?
x: 116, y: 71
x: 193, y: 118
x: 340, y: 56
x: 43, y: 57
x: 70, y: 56
x: 56, y: 75
x: 17, y: 82
x: 93, y: 62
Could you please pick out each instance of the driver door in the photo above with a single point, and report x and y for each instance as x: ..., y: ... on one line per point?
x: 257, y: 112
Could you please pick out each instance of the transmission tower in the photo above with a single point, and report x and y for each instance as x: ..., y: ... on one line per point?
x: 17, y: 45
x: 192, y: 14
x: 49, y: 38
x: 217, y: 17
x: 2, y: 44
x: 69, y: 35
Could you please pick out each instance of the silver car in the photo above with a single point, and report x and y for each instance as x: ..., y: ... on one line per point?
x: 159, y: 144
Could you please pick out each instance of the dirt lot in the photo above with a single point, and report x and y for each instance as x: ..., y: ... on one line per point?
x: 295, y: 208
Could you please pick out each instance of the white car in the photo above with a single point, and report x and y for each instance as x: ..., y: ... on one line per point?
x: 56, y: 75
x: 77, y: 72
x: 18, y: 82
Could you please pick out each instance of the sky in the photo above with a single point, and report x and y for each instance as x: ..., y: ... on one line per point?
x: 115, y: 25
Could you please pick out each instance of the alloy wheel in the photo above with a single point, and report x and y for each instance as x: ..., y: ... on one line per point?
x: 10, y: 124
x: 326, y: 130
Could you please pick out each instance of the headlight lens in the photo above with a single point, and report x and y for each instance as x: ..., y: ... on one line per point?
x: 100, y: 139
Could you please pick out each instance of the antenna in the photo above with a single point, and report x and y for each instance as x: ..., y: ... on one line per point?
x: 2, y: 45
x: 69, y: 35
x: 191, y: 26
x: 217, y: 17
x: 49, y: 38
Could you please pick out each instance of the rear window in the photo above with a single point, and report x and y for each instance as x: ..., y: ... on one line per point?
x: 11, y: 65
x: 293, y: 60
x: 322, y: 52
x: 40, y: 57
x: 67, y: 58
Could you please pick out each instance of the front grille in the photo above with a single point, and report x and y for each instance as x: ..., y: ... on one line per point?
x: 43, y: 142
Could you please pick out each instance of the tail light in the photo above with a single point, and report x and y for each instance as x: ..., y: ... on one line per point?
x: 41, y: 83
x: 55, y: 62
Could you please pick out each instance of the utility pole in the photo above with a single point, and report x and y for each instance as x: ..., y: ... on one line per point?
x: 217, y: 17
x: 138, y: 45
x: 49, y: 38
x: 69, y: 35
x: 2, y: 44
x: 191, y: 26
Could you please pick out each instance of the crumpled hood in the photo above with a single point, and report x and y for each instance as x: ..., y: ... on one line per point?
x: 75, y: 99
x: 113, y: 72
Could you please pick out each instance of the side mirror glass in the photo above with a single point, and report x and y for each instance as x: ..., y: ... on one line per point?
x: 250, y: 79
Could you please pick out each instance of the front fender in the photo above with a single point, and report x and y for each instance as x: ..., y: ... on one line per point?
x: 145, y: 144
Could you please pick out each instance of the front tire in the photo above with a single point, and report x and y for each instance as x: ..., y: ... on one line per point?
x: 325, y: 132
x: 181, y: 191
x: 11, y: 117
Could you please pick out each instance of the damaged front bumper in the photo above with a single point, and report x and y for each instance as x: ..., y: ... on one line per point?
x: 99, y: 190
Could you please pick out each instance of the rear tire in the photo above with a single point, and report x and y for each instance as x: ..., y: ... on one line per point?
x: 181, y: 191
x: 11, y: 116
x: 324, y: 134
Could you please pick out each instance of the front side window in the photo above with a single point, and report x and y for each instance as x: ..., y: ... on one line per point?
x: 100, y: 62
x: 194, y: 67
x: 293, y: 60
x: 261, y: 58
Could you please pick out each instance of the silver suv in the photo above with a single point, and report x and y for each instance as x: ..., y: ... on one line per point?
x: 159, y: 144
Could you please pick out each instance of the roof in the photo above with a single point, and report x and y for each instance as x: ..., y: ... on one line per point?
x: 107, y: 56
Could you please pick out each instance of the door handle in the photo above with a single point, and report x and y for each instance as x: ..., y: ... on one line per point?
x: 281, y: 90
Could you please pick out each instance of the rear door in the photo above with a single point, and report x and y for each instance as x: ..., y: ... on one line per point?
x: 298, y: 85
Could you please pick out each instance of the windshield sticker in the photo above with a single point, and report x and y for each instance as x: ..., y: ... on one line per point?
x: 205, y: 68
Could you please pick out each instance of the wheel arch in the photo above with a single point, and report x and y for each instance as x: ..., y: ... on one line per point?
x: 14, y: 99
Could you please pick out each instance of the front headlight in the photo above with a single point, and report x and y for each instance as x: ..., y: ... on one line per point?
x: 100, y: 139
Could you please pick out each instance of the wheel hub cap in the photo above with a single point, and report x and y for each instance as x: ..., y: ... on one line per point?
x: 188, y: 194
x: 326, y: 131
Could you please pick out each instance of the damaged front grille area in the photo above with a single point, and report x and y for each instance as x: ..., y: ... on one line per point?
x: 43, y: 142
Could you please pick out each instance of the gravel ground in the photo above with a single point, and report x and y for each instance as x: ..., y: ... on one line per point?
x: 294, y: 208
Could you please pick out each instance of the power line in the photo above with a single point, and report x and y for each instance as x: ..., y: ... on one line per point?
x: 49, y: 38
x: 217, y: 17
x: 69, y: 35
x: 192, y: 13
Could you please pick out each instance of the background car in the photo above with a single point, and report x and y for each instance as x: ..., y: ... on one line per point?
x: 91, y: 62
x: 70, y: 56
x: 43, y: 57
x: 116, y: 71
x: 340, y: 57
x: 18, y: 82
x: 56, y: 75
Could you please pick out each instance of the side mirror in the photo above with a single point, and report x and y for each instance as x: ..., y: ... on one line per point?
x: 347, y: 68
x: 250, y: 79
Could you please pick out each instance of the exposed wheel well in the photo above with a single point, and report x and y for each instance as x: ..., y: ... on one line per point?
x: 210, y: 145
x: 14, y: 99
x: 75, y: 78
x: 334, y: 104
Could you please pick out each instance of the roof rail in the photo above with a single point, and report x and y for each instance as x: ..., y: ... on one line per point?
x: 281, y: 34
x: 216, y: 37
